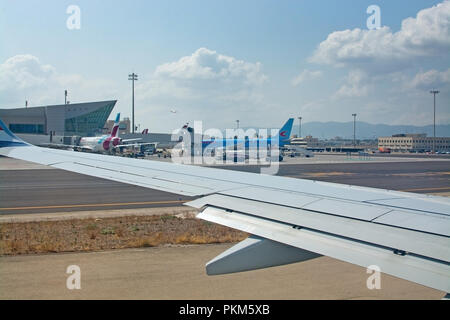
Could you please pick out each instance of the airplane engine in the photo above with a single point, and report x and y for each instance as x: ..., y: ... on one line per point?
x: 106, y: 144
x: 116, y: 142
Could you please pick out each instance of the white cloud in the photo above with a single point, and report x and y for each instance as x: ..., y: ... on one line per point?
x: 430, y: 79
x: 205, y: 64
x: 25, y: 77
x: 355, y: 86
x: 383, y: 65
x: 205, y: 85
x: 427, y: 35
x: 24, y: 72
x: 306, y: 75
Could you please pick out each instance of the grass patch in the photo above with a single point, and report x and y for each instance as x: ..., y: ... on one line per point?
x: 108, y: 230
x: 110, y: 233
x: 91, y: 227
x: 168, y: 217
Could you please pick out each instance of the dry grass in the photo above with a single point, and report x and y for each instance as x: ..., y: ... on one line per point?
x: 110, y: 233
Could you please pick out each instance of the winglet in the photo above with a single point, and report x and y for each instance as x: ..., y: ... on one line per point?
x: 9, y: 139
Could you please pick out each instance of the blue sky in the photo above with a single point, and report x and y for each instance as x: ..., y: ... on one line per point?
x: 241, y: 59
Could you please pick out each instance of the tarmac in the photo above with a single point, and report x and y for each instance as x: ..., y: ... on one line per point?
x: 179, y: 273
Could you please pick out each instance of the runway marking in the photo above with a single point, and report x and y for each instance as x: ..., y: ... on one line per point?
x: 96, y: 205
x: 422, y: 174
x: 327, y: 174
x: 426, y: 189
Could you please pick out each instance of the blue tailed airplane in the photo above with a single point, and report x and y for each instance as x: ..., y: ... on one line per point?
x: 280, y: 139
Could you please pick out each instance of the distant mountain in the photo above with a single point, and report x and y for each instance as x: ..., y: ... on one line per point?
x: 329, y: 130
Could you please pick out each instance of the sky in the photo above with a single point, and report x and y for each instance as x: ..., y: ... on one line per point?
x: 258, y: 61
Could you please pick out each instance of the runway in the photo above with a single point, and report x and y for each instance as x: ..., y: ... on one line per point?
x: 38, y: 190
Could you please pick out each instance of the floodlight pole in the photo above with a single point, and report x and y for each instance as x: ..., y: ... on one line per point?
x: 354, y: 129
x: 434, y: 93
x: 300, y: 127
x: 133, y: 77
x: 237, y: 121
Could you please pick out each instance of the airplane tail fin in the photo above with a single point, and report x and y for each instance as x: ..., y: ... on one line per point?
x: 9, y: 139
x: 115, y: 129
x: 285, y: 132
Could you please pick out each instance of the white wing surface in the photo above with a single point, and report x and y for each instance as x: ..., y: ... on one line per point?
x: 406, y: 235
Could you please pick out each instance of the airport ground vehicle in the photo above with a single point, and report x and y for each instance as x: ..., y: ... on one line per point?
x: 296, y: 151
x: 384, y: 150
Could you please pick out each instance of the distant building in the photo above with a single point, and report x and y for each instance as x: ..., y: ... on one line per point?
x: 413, y: 142
x: 77, y: 119
x: 124, y: 126
x: 306, y: 142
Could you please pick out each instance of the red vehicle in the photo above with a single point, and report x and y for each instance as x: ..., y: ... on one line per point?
x: 384, y: 150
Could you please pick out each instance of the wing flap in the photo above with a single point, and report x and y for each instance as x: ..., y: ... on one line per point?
x: 420, y: 243
x: 347, y: 209
x: 291, y: 199
x: 421, y: 221
x: 341, y: 207
x: 423, y: 203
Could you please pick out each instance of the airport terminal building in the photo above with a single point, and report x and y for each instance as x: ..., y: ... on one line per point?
x: 414, y: 143
x: 77, y: 119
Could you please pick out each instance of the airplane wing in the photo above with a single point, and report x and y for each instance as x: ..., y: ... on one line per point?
x: 131, y: 140
x: 57, y: 145
x: 405, y: 235
x: 135, y: 144
x: 85, y: 148
x: 66, y: 146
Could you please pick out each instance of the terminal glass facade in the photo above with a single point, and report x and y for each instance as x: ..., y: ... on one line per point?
x: 89, y: 124
x: 27, y: 128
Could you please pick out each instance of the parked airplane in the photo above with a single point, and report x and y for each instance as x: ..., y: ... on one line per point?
x: 102, y: 144
x: 291, y: 220
x: 282, y: 138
